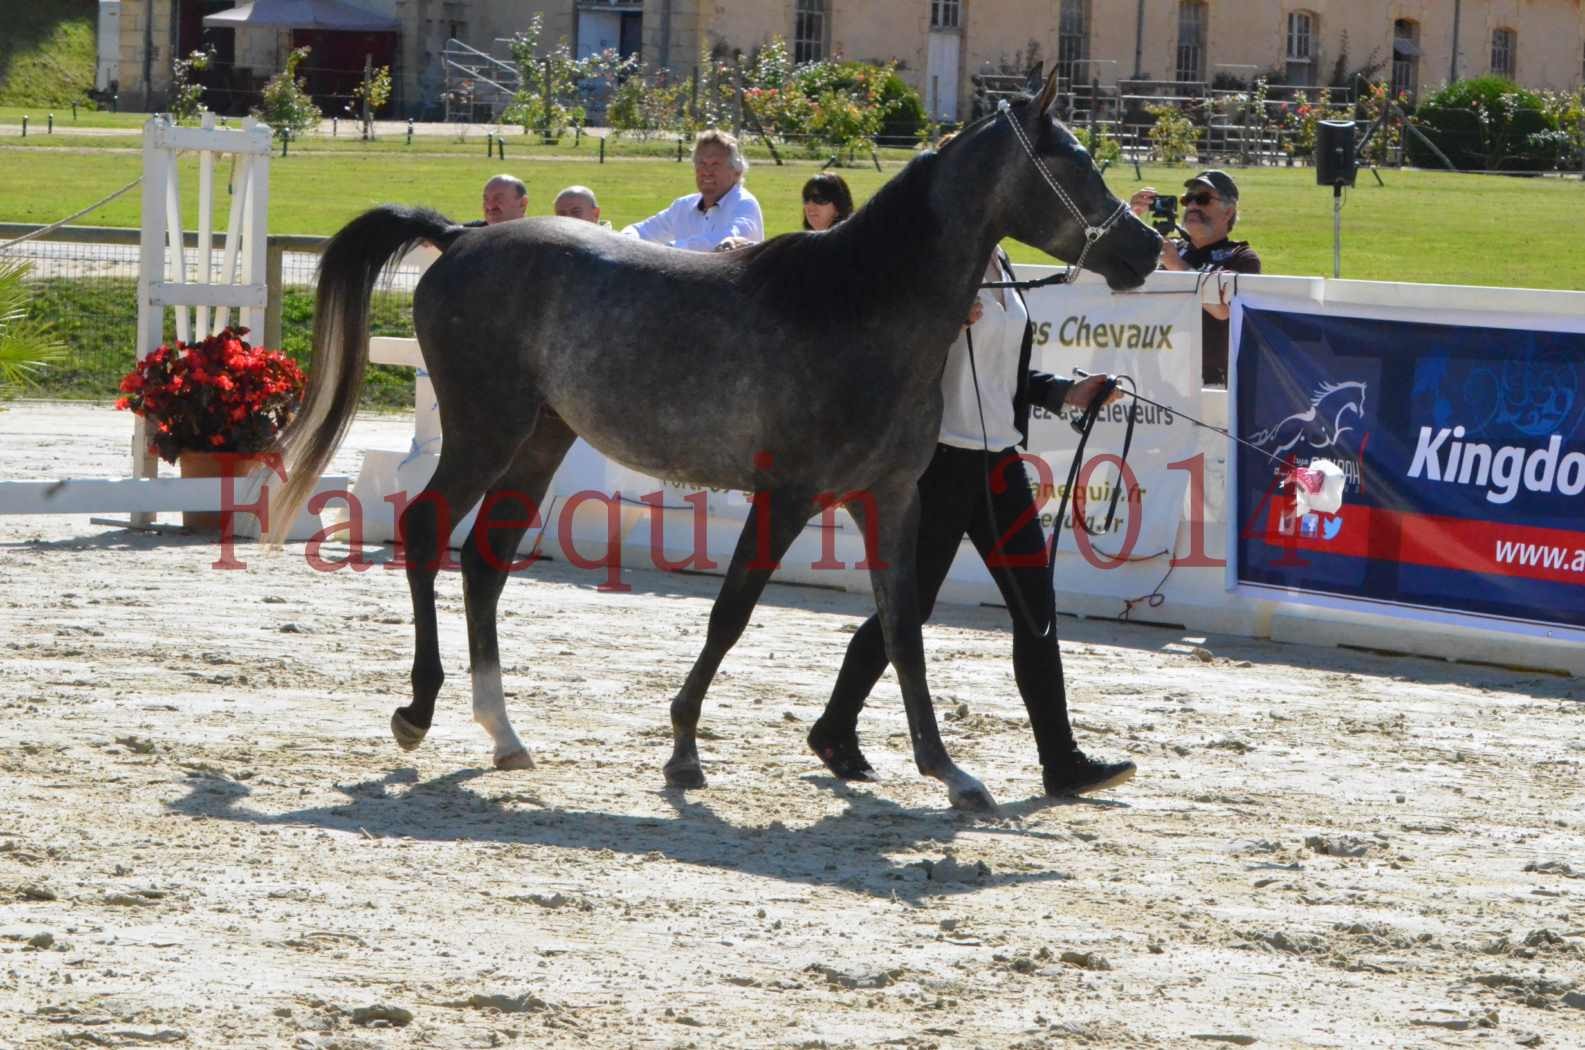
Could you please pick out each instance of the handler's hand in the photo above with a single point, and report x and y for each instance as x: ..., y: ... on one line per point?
x: 732, y: 244
x: 1080, y: 394
x: 976, y: 311
x: 1140, y: 202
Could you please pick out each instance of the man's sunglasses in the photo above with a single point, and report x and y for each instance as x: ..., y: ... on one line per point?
x: 818, y: 198
x: 1202, y: 198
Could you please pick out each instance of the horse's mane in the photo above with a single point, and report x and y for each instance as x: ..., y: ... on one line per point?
x: 869, y: 256
x: 1325, y: 388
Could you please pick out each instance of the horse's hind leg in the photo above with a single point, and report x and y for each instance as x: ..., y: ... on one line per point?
x: 759, y: 548
x: 892, y: 521
x: 464, y: 471
x: 510, y: 508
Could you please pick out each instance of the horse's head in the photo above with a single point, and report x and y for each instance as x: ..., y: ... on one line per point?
x: 1050, y: 195
x: 1339, y: 405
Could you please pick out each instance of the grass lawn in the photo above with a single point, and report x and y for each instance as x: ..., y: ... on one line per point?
x: 46, y: 51
x: 1422, y: 226
x: 37, y: 113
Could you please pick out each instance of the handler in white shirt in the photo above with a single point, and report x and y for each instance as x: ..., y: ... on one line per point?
x: 722, y: 215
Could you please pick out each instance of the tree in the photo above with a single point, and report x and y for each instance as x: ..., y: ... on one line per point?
x: 845, y: 105
x: 372, y: 93
x: 1174, y: 136
x: 187, y: 95
x: 285, y: 104
x: 551, y: 96
x: 26, y: 346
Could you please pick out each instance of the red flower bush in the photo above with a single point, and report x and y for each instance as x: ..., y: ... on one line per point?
x: 220, y: 395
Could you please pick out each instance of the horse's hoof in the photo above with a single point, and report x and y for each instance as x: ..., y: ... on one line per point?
x: 971, y: 798
x: 685, y: 777
x: 841, y: 754
x: 408, y: 736
x: 519, y: 759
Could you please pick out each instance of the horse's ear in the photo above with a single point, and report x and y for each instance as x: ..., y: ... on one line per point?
x: 1048, y: 93
x: 1034, y: 79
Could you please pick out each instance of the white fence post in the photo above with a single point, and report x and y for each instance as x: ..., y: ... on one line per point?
x: 163, y: 279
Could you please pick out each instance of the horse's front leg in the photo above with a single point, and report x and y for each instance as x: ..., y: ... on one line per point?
x: 759, y: 548
x: 890, y: 524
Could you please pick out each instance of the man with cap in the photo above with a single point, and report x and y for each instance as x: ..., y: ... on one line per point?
x: 1210, y: 211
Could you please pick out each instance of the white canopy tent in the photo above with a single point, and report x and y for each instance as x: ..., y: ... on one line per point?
x: 331, y: 15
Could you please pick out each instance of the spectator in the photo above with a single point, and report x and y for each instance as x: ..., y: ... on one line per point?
x: 722, y: 215
x: 505, y: 198
x: 1210, y: 212
x: 577, y: 202
x: 827, y: 201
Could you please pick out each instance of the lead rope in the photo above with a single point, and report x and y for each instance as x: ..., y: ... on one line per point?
x: 1083, y: 425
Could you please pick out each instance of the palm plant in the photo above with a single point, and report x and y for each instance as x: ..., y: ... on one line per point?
x: 27, y: 346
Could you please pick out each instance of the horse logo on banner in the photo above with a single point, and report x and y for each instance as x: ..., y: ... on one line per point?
x: 1320, y: 426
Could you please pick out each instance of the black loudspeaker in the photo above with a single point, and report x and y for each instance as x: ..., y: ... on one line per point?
x: 1335, y: 163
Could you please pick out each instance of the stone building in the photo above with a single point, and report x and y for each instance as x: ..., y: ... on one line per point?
x: 939, y: 44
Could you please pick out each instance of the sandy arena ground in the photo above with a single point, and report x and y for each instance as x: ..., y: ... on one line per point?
x: 208, y: 839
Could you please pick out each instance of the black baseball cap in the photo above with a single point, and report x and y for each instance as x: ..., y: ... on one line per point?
x: 1220, y: 181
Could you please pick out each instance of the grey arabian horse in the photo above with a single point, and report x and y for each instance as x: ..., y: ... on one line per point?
x: 805, y: 369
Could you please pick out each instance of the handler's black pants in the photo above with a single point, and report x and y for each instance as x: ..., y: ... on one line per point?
x: 952, y: 503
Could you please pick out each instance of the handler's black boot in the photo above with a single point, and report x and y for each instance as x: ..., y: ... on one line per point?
x: 1078, y: 774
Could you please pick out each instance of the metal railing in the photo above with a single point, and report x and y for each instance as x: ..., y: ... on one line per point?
x: 476, y: 83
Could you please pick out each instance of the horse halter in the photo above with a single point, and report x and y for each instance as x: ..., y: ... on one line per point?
x: 1092, y: 233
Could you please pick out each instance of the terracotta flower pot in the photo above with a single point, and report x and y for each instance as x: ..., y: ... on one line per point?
x: 194, y: 464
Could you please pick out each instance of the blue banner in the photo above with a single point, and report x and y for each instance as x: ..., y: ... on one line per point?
x: 1464, y: 452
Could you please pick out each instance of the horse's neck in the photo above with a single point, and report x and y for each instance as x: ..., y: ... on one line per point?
x: 929, y: 232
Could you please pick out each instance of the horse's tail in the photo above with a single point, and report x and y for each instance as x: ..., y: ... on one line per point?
x: 351, y: 264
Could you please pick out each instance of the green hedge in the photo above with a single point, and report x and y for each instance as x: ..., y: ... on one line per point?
x: 1489, y: 124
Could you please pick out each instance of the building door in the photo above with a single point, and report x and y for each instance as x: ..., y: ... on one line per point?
x: 632, y: 33
x: 598, y: 31
x: 941, y: 76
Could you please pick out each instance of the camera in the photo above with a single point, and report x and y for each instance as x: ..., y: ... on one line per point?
x: 1164, y: 213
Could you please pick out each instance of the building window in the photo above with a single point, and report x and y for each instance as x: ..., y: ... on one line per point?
x: 809, y: 31
x: 946, y: 14
x: 1405, y: 57
x: 1073, y: 39
x: 1301, y: 47
x: 1191, y: 40
x: 1504, y: 52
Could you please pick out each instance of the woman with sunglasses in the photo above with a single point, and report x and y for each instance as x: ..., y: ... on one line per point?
x: 976, y: 486
x: 827, y: 201
x: 1210, y: 211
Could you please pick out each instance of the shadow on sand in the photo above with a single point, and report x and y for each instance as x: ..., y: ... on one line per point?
x: 847, y: 849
